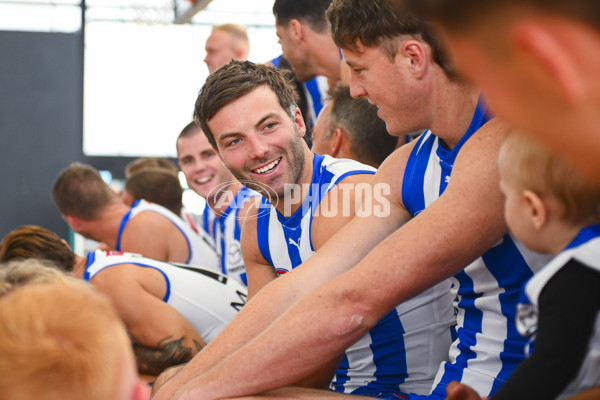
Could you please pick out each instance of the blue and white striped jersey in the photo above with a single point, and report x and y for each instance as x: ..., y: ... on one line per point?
x: 488, y: 347
x: 208, y: 300
x: 227, y: 234
x: 403, y: 351
x: 201, y: 250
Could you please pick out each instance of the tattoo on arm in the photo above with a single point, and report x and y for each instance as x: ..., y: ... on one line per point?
x: 153, y: 361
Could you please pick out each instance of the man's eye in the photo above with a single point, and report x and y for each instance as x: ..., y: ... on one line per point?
x: 232, y: 142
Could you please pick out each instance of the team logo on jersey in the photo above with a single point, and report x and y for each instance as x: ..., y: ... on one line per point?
x: 297, y: 244
x: 234, y: 254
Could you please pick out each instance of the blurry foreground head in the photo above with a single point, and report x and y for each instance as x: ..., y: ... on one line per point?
x: 64, y: 341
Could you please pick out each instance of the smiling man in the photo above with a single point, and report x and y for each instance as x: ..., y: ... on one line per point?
x: 227, y: 200
x: 249, y: 111
x: 445, y: 221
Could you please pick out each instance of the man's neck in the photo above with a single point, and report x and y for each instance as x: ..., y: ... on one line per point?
x: 79, y: 266
x: 292, y: 200
x: 326, y: 57
x: 107, y: 225
x: 453, y: 111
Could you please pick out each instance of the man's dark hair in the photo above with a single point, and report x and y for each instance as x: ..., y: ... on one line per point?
x: 381, y: 23
x: 368, y: 135
x: 79, y: 191
x: 191, y: 129
x: 458, y: 15
x: 32, y: 241
x: 142, y: 163
x: 156, y: 185
x: 235, y: 80
x: 311, y: 12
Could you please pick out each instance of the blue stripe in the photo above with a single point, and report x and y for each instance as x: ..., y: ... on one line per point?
x: 205, y: 219
x: 313, y: 90
x: 341, y: 375
x: 511, y: 279
x: 262, y: 232
x: 91, y: 258
x: 414, y: 174
x: 389, y: 353
x: 123, y: 223
x: 585, y: 235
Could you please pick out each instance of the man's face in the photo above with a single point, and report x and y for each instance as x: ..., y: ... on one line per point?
x: 520, y: 89
x: 219, y: 50
x: 260, y: 143
x: 294, y: 52
x: 389, y: 85
x: 201, y: 164
x: 319, y: 144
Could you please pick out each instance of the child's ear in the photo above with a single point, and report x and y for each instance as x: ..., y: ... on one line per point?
x: 538, y: 211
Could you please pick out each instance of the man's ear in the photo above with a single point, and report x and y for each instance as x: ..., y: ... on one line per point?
x: 296, y: 30
x: 418, y: 53
x: 336, y: 140
x: 299, y: 120
x: 75, y: 223
x: 551, y: 56
x: 538, y: 211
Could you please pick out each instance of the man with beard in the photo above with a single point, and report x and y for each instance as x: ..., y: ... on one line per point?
x: 249, y: 113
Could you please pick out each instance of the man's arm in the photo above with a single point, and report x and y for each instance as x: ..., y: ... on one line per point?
x: 275, y: 298
x: 456, y: 229
x: 258, y: 270
x: 161, y: 336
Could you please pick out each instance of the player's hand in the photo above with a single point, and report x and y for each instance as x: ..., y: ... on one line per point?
x: 165, y: 376
x: 458, y: 391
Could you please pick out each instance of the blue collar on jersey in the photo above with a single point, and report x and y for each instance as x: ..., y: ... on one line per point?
x: 90, y: 260
x: 585, y: 235
x: 123, y: 223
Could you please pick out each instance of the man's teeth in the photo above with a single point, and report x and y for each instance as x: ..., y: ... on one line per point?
x: 203, y: 180
x: 267, y: 167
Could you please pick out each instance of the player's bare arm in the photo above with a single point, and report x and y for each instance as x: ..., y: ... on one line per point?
x: 161, y: 336
x: 415, y: 257
x: 335, y: 257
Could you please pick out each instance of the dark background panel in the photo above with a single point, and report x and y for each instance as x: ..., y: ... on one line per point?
x: 41, y: 108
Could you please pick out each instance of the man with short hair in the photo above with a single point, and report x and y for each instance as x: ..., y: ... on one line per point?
x: 156, y: 185
x: 226, y: 42
x: 227, y: 200
x: 446, y: 220
x: 537, y: 63
x: 350, y: 128
x: 93, y: 210
x: 249, y: 113
x: 169, y: 310
x: 303, y: 32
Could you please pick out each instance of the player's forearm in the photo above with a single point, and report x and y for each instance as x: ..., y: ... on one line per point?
x: 283, y: 356
x: 167, y: 353
x: 252, y: 319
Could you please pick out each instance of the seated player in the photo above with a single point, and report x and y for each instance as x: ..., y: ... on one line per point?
x: 170, y: 311
x: 92, y: 209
